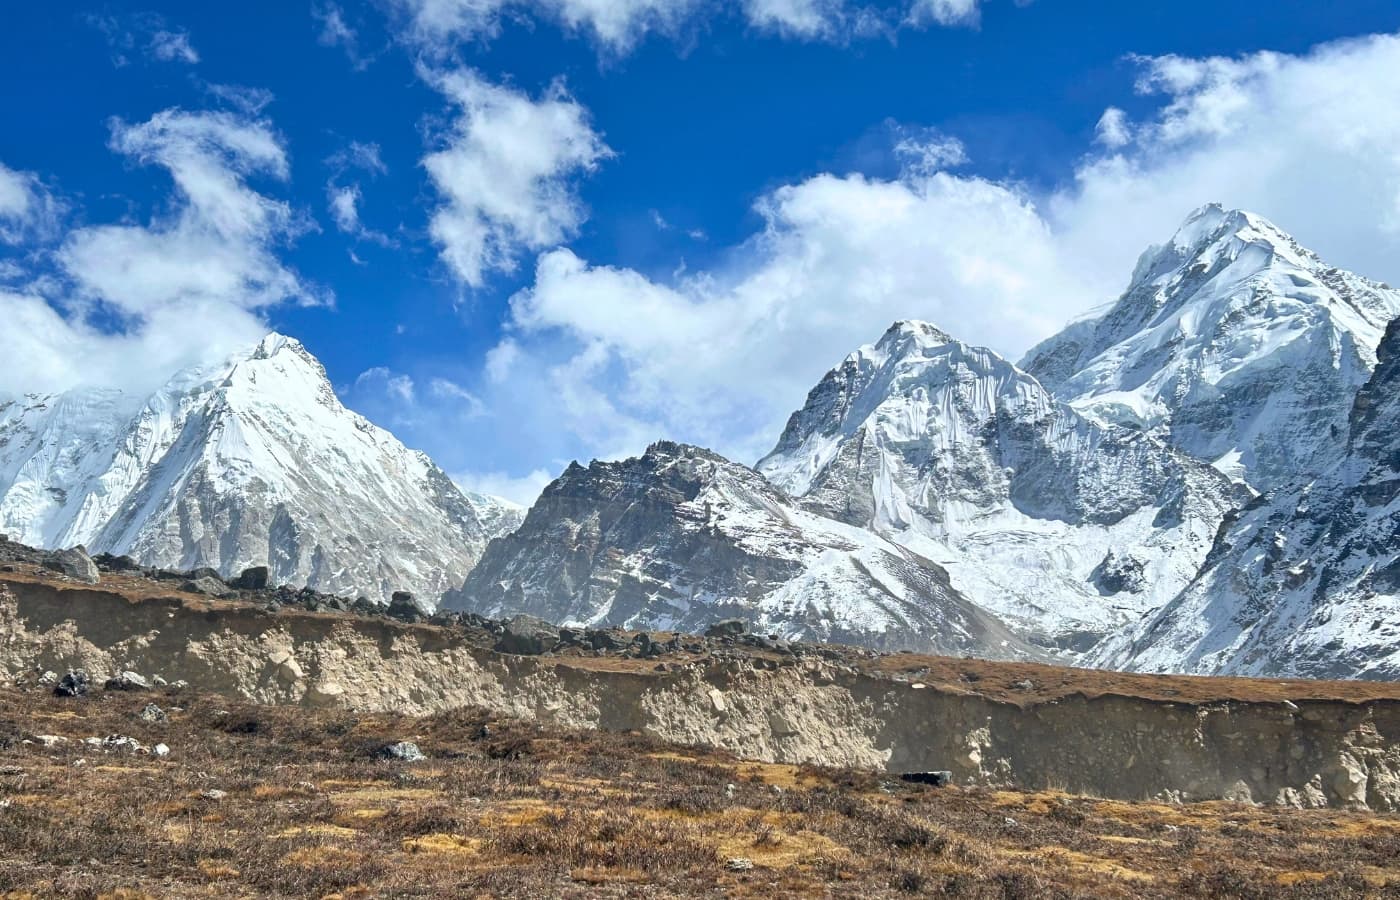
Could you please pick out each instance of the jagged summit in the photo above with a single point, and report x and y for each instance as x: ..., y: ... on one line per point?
x: 1242, y: 345
x: 680, y: 537
x: 954, y: 451
x: 249, y: 461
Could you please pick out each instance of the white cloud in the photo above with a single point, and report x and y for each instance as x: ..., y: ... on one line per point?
x: 172, y: 46
x: 925, y: 151
x: 945, y: 12
x: 436, y: 26
x: 182, y: 289
x: 397, y: 386
x: 721, y: 357
x: 344, y: 198
x: 1113, y: 130
x: 616, y: 358
x: 504, y: 173
x: 1309, y: 141
x: 803, y: 19
x: 145, y: 33
x: 27, y: 209
x: 524, y: 490
x: 217, y: 244
x: 343, y: 203
x: 250, y: 101
x: 337, y: 32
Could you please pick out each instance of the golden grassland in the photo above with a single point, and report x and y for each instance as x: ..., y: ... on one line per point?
x: 507, y: 808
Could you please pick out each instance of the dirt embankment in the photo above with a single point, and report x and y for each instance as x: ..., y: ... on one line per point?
x: 1033, y: 727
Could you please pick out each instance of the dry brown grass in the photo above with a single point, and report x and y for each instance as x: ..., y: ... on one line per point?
x: 515, y: 810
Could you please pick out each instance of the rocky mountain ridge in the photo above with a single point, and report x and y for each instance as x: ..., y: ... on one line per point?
x: 680, y: 537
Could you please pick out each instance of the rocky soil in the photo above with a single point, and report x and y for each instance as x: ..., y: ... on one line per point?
x: 1134, y: 737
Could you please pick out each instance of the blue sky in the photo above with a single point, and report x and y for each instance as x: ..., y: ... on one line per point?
x: 582, y: 225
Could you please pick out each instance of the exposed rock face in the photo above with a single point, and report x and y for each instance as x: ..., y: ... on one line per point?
x: 253, y: 462
x: 681, y: 537
x: 1309, y: 753
x: 1306, y: 581
x: 1243, y: 346
x: 956, y: 453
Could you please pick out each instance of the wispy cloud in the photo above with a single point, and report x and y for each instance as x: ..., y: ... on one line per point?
x: 146, y: 35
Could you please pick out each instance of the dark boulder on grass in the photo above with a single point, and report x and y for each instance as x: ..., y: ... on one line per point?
x: 73, y: 684
x: 73, y: 562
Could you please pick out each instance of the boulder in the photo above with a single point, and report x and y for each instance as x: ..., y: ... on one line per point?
x: 936, y: 779
x: 527, y: 636
x: 572, y: 637
x: 403, y: 607
x: 152, y: 713
x: 605, y: 639
x: 73, y: 562
x: 210, y: 587
x: 110, y: 563
x: 206, y: 572
x: 73, y: 684
x: 254, y: 578
x: 726, y: 628
x: 403, y: 751
x: 126, y: 681
x: 120, y: 743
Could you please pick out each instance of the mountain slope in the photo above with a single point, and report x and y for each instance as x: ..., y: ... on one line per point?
x: 1063, y: 526
x: 681, y: 537
x: 1243, y: 346
x: 1307, y: 581
x: 250, y: 462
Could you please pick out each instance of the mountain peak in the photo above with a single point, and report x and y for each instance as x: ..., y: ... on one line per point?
x: 1235, y: 338
x: 272, y: 343
x: 1215, y: 224
x: 924, y: 332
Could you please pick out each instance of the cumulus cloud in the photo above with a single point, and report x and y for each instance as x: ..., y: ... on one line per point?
x: 218, y: 244
x: 125, y: 305
x: 504, y: 172
x: 1307, y: 140
x: 615, y: 357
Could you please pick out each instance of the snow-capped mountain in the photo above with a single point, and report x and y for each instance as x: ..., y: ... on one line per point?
x: 1063, y: 526
x: 250, y: 462
x: 1306, y: 582
x: 681, y: 537
x: 1243, y: 346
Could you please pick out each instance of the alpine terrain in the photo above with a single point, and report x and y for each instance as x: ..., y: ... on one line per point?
x: 1306, y: 582
x: 250, y: 462
x: 1065, y: 526
x: 680, y: 537
x: 1243, y: 347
